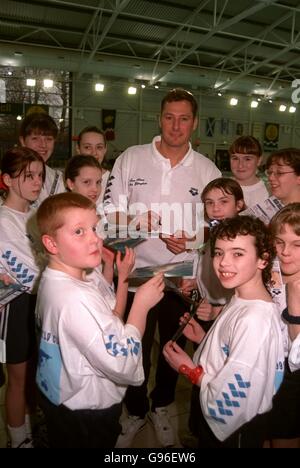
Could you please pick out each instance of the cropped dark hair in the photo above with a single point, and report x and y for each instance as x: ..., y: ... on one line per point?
x: 76, y: 163
x: 289, y: 156
x: 38, y: 122
x: 244, y: 226
x: 246, y: 145
x: 180, y: 94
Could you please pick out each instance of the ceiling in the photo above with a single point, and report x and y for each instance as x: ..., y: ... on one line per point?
x: 228, y: 46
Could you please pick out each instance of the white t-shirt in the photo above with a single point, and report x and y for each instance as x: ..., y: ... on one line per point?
x: 243, y: 360
x: 142, y: 180
x: 54, y: 183
x: 20, y: 248
x: 256, y: 193
x: 88, y: 356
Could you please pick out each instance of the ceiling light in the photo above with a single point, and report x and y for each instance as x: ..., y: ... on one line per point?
x: 156, y: 87
x: 132, y: 90
x: 292, y: 109
x: 19, y: 117
x: 219, y: 94
x: 99, y: 87
x: 143, y: 86
x: 282, y: 108
x: 254, y: 104
x: 48, y: 83
x: 270, y: 101
x: 233, y: 101
x: 30, y: 82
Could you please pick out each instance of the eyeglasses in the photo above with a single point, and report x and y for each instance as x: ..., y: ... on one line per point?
x: 277, y: 174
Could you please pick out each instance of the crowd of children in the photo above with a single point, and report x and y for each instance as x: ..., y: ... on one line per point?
x: 246, y: 367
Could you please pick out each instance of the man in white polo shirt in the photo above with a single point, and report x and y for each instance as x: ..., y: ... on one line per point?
x: 159, y: 185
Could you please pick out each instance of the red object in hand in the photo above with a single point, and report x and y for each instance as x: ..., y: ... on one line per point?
x: 192, y: 374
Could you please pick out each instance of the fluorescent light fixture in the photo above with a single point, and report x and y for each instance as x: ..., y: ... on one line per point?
x: 48, y: 83
x: 282, y: 108
x: 131, y: 90
x: 99, y: 87
x: 292, y: 109
x: 30, y: 82
x: 254, y: 104
x: 233, y: 101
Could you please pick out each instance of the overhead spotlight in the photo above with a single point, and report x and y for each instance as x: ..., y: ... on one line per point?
x: 19, y: 117
x: 61, y: 120
x: 99, y: 87
x: 143, y: 86
x: 254, y: 104
x: 233, y: 101
x: 30, y: 82
x: 9, y: 73
x: 292, y: 109
x: 132, y: 90
x: 48, y: 83
x: 282, y: 108
x: 156, y: 86
x: 270, y: 101
x: 220, y: 94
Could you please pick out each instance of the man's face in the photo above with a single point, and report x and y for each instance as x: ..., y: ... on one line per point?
x: 177, y: 123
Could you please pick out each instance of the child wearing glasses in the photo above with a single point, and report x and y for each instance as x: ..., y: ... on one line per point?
x: 245, y: 158
x: 283, y: 172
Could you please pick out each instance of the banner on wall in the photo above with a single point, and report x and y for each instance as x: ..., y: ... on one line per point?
x: 210, y: 126
x: 108, y: 123
x: 271, y: 136
x: 224, y: 126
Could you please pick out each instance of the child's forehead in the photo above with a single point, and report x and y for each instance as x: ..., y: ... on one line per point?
x: 73, y: 214
x: 239, y: 239
x: 217, y: 192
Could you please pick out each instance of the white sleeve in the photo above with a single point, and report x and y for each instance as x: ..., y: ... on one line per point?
x: 113, y: 349
x: 16, y: 257
x: 244, y: 386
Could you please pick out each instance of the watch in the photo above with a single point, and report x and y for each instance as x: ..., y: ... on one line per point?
x: 192, y: 374
x: 293, y: 319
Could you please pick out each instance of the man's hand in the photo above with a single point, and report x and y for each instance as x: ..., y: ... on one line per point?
x: 177, y: 243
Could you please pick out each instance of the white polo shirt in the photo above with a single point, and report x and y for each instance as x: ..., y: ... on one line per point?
x: 142, y: 180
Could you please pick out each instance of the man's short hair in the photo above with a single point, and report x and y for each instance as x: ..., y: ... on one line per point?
x: 180, y: 94
x: 51, y: 213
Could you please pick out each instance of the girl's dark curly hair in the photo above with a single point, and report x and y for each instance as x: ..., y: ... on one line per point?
x: 243, y: 226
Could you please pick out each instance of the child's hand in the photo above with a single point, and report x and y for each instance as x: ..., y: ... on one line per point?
x: 207, y: 312
x: 108, y: 256
x: 187, y: 285
x: 175, y: 356
x: 150, y: 293
x: 125, y: 264
x: 176, y: 243
x: 7, y: 279
x: 193, y: 330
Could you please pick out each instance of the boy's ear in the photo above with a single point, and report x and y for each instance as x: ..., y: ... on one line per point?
x: 49, y: 244
x: 21, y: 140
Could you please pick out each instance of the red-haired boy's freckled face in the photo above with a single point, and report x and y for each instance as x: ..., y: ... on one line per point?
x: 287, y: 245
x: 78, y: 246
